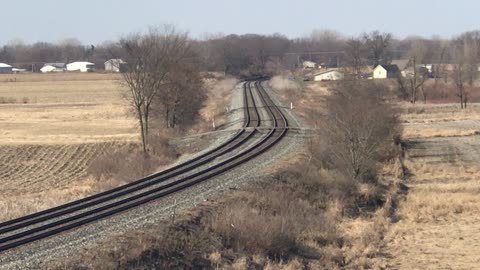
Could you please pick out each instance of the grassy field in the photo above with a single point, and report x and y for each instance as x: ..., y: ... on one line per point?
x: 51, y: 127
x: 439, y: 223
x: 63, y: 108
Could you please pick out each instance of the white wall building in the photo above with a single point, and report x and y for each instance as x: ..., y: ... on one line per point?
x: 330, y: 75
x: 115, y: 65
x: 53, y: 67
x: 385, y: 71
x: 81, y: 66
x: 309, y: 64
x: 5, y: 68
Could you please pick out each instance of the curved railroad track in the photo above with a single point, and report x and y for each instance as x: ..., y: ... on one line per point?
x: 21, y: 231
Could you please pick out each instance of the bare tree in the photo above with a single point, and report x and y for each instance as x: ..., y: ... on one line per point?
x: 359, y: 125
x: 460, y: 74
x: 378, y: 45
x: 182, y: 96
x: 438, y: 69
x: 354, y: 57
x: 151, y: 57
x: 419, y: 74
x: 471, y: 48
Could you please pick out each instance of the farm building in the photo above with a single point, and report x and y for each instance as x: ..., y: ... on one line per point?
x: 53, y: 67
x: 309, y: 64
x: 385, y: 71
x: 115, y: 65
x: 4, y: 68
x: 81, y: 66
x: 330, y: 75
x: 18, y: 70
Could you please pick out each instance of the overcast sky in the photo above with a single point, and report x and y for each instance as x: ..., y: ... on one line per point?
x: 94, y: 21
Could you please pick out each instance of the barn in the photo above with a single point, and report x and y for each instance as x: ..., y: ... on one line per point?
x: 53, y: 67
x: 386, y: 71
x: 330, y: 75
x: 81, y: 66
x: 115, y: 65
x: 5, y: 68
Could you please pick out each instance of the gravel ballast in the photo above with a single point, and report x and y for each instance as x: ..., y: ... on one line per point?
x: 72, y: 242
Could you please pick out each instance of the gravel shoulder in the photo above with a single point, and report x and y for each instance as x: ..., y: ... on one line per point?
x: 72, y: 242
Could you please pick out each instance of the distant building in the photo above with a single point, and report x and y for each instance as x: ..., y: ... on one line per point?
x: 18, y: 70
x: 5, y: 69
x: 420, y: 69
x: 309, y: 64
x: 81, y: 66
x: 385, y: 71
x: 330, y: 75
x: 53, y: 67
x: 115, y: 65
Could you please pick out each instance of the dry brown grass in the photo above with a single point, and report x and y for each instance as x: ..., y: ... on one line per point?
x: 422, y: 132
x: 49, y: 77
x: 308, y: 98
x: 218, y: 103
x: 65, y: 108
x: 13, y: 206
x: 439, y: 224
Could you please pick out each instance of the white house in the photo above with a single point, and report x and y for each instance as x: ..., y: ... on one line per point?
x: 309, y: 64
x: 53, y: 67
x: 330, y: 75
x: 115, y: 65
x: 385, y: 71
x: 5, y: 68
x: 81, y: 66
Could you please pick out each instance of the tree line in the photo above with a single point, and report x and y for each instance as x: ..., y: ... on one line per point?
x: 164, y: 66
x: 253, y: 53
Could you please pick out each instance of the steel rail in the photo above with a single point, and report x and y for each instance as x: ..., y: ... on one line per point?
x: 131, y: 202
x: 165, y: 175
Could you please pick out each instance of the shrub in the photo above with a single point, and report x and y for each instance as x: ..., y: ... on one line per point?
x: 128, y: 162
x: 358, y: 127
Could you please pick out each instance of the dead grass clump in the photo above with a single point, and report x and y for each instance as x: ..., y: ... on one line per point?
x: 249, y: 230
x: 184, y: 246
x: 129, y: 163
x: 8, y: 100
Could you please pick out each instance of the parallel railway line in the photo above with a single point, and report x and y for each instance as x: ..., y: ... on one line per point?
x: 53, y: 221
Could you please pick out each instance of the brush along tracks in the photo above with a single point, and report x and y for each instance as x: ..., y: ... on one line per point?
x: 239, y: 149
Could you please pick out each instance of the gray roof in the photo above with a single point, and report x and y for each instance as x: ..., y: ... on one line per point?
x: 116, y: 61
x: 390, y: 68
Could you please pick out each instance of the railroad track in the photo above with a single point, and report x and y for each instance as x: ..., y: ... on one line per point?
x: 24, y: 230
